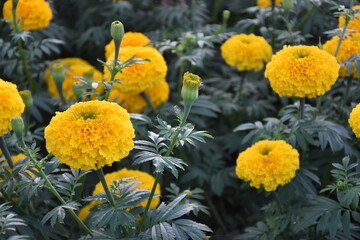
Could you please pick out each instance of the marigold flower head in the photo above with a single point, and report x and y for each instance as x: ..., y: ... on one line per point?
x: 268, y: 164
x: 349, y: 47
x: 267, y: 3
x: 90, y: 135
x: 302, y: 71
x: 11, y: 105
x: 138, y: 77
x: 130, y: 39
x: 144, y: 177
x: 354, y: 120
x: 354, y: 24
x: 73, y: 67
x: 33, y: 14
x: 246, y: 52
x: 135, y: 103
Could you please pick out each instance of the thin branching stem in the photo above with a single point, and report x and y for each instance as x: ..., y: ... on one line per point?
x: 347, y: 19
x: 100, y: 174
x: 6, y: 152
x: 302, y: 106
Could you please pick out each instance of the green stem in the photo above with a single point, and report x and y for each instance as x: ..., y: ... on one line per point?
x: 302, y: 105
x: 278, y: 200
x: 55, y: 192
x: 305, y: 17
x: 113, y: 70
x: 148, y: 101
x: 180, y: 79
x: 100, y: 174
x: 343, y: 30
x: 349, y: 81
x: 6, y: 152
x: 215, y: 213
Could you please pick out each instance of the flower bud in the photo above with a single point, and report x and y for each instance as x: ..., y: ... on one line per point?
x: 188, y: 193
x: 117, y: 30
x: 27, y: 98
x: 17, y: 125
x: 190, y: 89
x: 226, y: 15
x: 287, y: 5
x: 57, y: 71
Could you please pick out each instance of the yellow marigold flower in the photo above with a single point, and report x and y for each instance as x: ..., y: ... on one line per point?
x: 138, y: 77
x: 246, y: 52
x: 130, y: 39
x: 302, y: 71
x: 268, y: 164
x: 33, y: 14
x: 11, y: 105
x: 135, y: 103
x: 354, y: 24
x: 90, y: 135
x: 144, y: 177
x: 267, y: 3
x: 73, y: 67
x: 349, y: 47
x: 354, y: 120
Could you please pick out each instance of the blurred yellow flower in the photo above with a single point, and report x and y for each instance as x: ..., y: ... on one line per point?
x: 302, y: 71
x: 135, y: 103
x: 138, y: 77
x: 90, y: 135
x: 33, y: 14
x: 267, y: 3
x: 268, y: 164
x: 130, y: 39
x: 144, y: 177
x: 246, y: 52
x: 354, y: 24
x: 73, y: 67
x: 349, y: 47
x: 11, y: 105
x: 354, y: 120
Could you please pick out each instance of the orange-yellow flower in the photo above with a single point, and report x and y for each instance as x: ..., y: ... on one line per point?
x: 11, y: 105
x: 354, y: 120
x: 267, y: 3
x: 354, y: 24
x: 33, y: 14
x: 139, y: 77
x: 246, y: 52
x: 302, y: 71
x: 90, y: 135
x: 268, y: 164
x: 130, y: 39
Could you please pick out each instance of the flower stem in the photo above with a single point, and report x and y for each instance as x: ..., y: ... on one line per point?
x: 28, y: 153
x: 305, y: 17
x: 215, y: 213
x: 348, y: 85
x: 302, y: 105
x: 100, y: 174
x: 347, y: 19
x: 148, y: 101
x: 6, y: 152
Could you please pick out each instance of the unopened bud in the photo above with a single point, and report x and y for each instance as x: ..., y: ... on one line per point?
x: 188, y: 193
x: 27, y: 98
x: 288, y: 5
x: 226, y: 15
x: 57, y: 71
x: 190, y: 89
x: 17, y: 125
x: 117, y: 30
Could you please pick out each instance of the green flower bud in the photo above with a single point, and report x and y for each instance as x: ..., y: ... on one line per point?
x: 57, y: 71
x: 27, y: 98
x: 17, y: 125
x: 288, y: 5
x: 188, y: 193
x: 190, y: 89
x: 226, y: 15
x: 117, y: 30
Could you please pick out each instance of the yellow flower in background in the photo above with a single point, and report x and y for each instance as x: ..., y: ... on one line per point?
x: 130, y: 39
x: 246, y: 52
x: 33, y: 14
x: 267, y: 3
x: 11, y: 105
x: 349, y: 47
x: 144, y: 177
x: 302, y: 71
x: 268, y: 164
x: 354, y: 120
x: 354, y: 24
x: 90, y: 135
x: 135, y: 103
x: 138, y: 77
x: 73, y: 67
